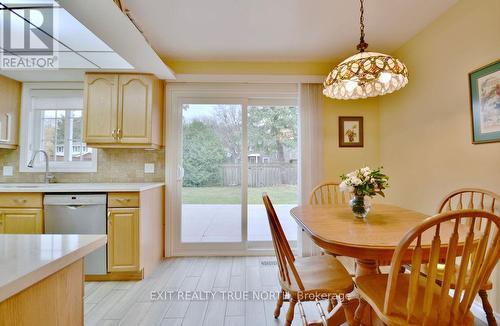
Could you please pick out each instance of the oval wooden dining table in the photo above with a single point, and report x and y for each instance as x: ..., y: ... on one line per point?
x: 371, y: 241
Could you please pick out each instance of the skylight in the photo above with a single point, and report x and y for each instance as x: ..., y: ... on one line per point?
x: 76, y: 46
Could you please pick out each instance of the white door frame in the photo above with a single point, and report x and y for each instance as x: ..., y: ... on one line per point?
x: 204, y: 93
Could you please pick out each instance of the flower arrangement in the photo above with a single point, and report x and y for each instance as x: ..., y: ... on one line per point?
x: 365, y: 182
x: 361, y: 183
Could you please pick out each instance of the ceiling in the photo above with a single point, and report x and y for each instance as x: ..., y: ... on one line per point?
x: 75, y: 46
x: 278, y: 30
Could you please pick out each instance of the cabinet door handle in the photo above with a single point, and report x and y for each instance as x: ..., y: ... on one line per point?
x: 19, y: 201
x: 114, y: 134
x: 121, y: 200
x: 120, y: 133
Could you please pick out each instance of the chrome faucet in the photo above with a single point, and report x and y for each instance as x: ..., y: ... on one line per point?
x: 48, y: 176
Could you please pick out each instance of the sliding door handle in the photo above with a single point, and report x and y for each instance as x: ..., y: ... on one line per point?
x: 180, y: 173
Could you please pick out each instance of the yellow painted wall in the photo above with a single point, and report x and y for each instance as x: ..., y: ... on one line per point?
x: 265, y: 68
x: 342, y: 160
x: 425, y: 129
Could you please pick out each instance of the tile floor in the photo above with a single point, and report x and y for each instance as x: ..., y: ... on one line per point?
x: 130, y: 303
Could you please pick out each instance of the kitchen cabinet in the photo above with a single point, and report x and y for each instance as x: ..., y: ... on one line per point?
x: 123, y: 239
x: 123, y: 111
x: 101, y: 110
x: 21, y: 213
x: 135, y: 226
x: 10, y: 104
x: 135, y: 234
x: 21, y: 220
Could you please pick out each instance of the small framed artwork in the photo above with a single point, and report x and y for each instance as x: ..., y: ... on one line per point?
x: 350, y: 131
x: 485, y: 103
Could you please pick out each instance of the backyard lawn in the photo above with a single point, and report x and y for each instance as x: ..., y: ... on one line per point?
x: 286, y: 194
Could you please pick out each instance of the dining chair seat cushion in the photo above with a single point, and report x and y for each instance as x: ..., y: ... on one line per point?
x: 373, y: 287
x: 440, y: 274
x: 322, y: 274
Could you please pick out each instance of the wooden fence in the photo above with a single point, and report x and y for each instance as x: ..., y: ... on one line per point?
x: 261, y: 175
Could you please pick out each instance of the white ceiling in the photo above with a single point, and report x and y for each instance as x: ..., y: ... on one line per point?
x: 278, y: 30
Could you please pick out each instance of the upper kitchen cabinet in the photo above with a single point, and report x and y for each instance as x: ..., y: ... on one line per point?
x: 101, y: 109
x: 10, y: 103
x: 123, y: 111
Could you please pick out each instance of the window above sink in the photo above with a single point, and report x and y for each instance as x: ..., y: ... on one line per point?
x: 52, y: 120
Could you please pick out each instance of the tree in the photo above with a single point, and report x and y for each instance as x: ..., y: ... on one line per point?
x: 227, y: 124
x: 203, y: 155
x: 272, y: 129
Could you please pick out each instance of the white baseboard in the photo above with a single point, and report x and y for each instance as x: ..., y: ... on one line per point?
x: 478, y: 312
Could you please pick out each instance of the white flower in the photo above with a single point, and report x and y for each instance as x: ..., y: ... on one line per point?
x: 345, y: 187
x: 356, y: 181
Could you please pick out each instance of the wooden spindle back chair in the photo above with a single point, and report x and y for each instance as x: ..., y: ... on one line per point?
x: 328, y: 193
x: 426, y: 302
x: 306, y: 278
x: 287, y: 272
x: 471, y: 198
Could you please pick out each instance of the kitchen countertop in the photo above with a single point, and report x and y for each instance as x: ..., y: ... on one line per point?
x: 26, y: 259
x: 78, y: 187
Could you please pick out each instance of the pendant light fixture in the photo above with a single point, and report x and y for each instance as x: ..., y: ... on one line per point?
x: 365, y: 74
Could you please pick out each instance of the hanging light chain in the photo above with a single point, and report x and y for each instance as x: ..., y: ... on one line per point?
x: 362, y: 44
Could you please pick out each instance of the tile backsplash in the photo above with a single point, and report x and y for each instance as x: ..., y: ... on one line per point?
x: 113, y: 165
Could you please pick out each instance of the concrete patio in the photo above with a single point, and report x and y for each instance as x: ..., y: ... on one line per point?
x: 222, y: 223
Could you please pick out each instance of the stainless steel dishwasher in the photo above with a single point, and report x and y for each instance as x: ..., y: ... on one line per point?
x: 78, y: 214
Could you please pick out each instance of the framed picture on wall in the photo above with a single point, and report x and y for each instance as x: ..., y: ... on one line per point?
x: 485, y: 103
x: 350, y: 131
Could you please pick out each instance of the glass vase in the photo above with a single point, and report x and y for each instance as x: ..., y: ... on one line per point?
x: 360, y: 206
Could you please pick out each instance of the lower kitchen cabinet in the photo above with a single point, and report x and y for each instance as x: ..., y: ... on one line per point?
x: 123, y: 239
x: 135, y: 234
x: 21, y: 213
x: 21, y: 220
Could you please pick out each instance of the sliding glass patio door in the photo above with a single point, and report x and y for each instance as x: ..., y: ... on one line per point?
x: 230, y: 152
x: 272, y: 168
x: 212, y: 165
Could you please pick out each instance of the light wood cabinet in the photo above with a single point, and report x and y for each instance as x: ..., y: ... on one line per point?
x: 10, y: 104
x: 21, y: 220
x: 135, y: 234
x: 123, y: 239
x: 21, y: 200
x: 123, y: 111
x: 21, y: 213
x: 123, y: 199
x: 101, y: 110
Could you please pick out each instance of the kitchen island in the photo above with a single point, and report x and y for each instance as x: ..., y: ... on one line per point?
x: 41, y: 277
